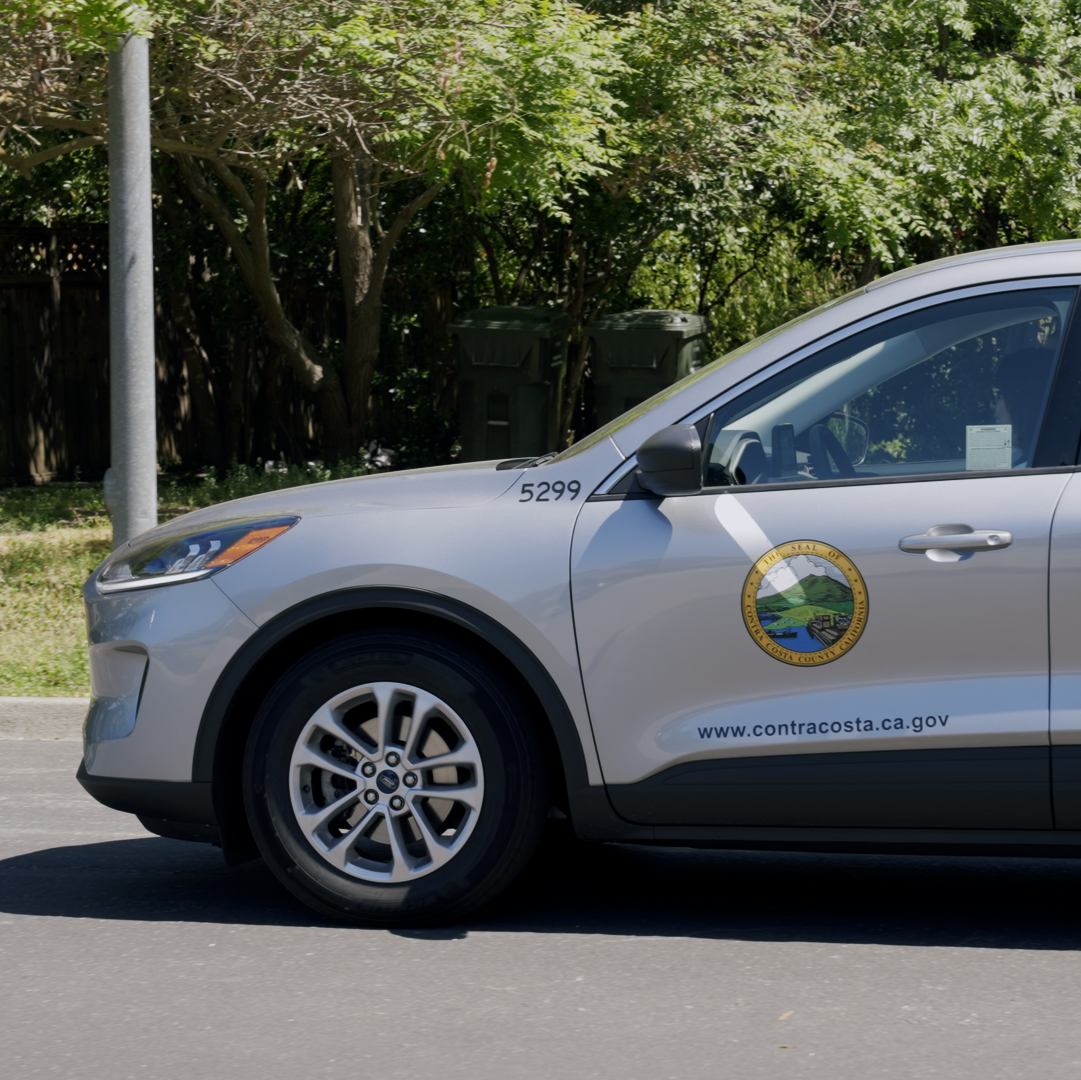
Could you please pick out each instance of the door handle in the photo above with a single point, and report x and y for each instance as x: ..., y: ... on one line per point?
x: 953, y: 543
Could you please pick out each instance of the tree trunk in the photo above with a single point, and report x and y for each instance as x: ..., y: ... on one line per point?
x: 364, y: 269
x: 871, y: 268
x: 577, y: 358
x: 344, y: 403
x: 252, y: 253
x: 353, y: 230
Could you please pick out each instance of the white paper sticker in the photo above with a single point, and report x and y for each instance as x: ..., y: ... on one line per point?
x: 989, y: 446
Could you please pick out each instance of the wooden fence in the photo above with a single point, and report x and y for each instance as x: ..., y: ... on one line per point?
x: 54, y: 353
x: 54, y: 371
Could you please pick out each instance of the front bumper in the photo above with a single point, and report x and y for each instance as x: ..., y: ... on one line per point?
x: 156, y: 656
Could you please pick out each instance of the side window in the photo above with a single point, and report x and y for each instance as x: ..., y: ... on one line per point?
x: 957, y: 387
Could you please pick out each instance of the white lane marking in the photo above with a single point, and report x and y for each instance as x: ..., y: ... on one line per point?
x: 742, y: 527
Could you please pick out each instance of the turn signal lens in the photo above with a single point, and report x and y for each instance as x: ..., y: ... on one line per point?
x: 246, y: 545
x: 167, y: 560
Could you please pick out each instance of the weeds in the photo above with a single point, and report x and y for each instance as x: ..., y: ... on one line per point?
x: 179, y: 495
x: 78, y: 506
x: 42, y: 631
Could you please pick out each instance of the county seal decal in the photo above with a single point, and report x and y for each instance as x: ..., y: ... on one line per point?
x: 805, y: 603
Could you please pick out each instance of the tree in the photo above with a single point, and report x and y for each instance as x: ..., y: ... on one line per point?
x: 741, y: 158
x: 967, y: 113
x: 912, y: 131
x: 389, y: 94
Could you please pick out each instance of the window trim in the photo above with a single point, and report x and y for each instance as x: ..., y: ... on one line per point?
x: 859, y: 481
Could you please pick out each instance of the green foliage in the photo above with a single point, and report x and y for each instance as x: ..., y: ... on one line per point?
x: 471, y: 84
x: 81, y: 506
x: 746, y: 159
x: 966, y: 115
x: 428, y: 87
x: 88, y: 25
x: 70, y: 188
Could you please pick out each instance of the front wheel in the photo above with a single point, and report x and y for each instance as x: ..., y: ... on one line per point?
x: 393, y: 779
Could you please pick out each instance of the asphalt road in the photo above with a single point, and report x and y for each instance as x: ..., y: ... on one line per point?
x: 125, y: 955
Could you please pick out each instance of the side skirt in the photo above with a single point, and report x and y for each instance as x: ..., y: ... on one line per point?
x: 1029, y: 843
x: 965, y: 788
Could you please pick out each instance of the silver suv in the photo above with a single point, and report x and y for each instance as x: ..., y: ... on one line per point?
x: 821, y: 593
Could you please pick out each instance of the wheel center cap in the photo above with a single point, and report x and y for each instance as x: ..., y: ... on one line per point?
x: 387, y: 782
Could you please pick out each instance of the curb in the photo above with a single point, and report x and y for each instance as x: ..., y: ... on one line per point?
x: 42, y: 718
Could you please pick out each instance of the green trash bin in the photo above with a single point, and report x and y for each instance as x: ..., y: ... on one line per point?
x: 635, y: 354
x: 510, y: 375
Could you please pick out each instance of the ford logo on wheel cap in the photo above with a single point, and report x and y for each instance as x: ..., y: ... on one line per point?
x: 387, y: 782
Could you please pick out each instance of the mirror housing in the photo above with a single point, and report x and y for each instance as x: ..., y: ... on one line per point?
x: 670, y: 462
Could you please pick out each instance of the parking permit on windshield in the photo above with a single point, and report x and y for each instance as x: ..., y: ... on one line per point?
x: 988, y: 446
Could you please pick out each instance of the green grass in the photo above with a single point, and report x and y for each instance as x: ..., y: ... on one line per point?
x: 52, y: 537
x: 42, y: 632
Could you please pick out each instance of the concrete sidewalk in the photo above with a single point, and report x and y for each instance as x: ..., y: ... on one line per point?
x: 42, y: 718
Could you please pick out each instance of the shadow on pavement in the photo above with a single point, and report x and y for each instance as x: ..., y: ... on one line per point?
x: 573, y: 888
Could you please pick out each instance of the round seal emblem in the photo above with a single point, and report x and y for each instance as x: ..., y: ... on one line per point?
x: 805, y: 603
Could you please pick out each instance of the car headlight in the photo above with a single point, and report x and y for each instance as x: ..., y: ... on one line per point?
x: 169, y: 560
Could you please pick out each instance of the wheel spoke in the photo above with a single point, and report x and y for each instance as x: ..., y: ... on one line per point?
x: 468, y: 794
x: 330, y: 721
x: 384, y: 694
x: 403, y: 864
x: 466, y: 754
x: 438, y: 852
x: 423, y: 704
x: 306, y: 754
x: 312, y: 821
x: 338, y: 855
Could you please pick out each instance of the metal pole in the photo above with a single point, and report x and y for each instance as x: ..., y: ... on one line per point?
x: 131, y: 485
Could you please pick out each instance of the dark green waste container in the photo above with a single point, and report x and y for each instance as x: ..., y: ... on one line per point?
x: 510, y: 375
x: 635, y: 354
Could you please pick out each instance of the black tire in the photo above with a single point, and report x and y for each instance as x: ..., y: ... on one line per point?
x: 512, y: 777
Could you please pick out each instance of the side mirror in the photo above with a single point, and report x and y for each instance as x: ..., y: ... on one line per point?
x: 670, y: 462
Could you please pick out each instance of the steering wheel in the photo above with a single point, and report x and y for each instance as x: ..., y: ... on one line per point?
x: 823, y: 446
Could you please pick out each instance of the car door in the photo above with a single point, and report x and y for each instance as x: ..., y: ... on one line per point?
x: 848, y: 625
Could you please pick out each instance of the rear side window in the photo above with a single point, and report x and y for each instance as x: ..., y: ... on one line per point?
x: 958, y: 387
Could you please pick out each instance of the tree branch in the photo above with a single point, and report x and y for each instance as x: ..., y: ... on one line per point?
x: 528, y: 261
x: 235, y: 185
x: 64, y: 123
x: 25, y: 164
x: 492, y: 260
x: 352, y: 228
x: 253, y: 261
x: 405, y: 215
